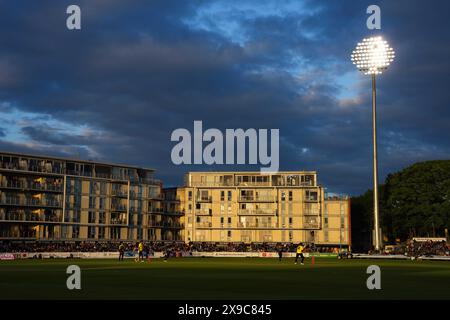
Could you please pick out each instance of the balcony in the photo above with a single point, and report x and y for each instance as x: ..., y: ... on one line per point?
x: 203, y: 225
x: 44, y: 168
x: 118, y: 221
x: 135, y: 195
x: 118, y: 207
x: 165, y: 225
x: 18, y: 235
x: 32, y: 186
x: 256, y: 225
x: 26, y: 217
x: 196, y: 183
x: 155, y: 210
x: 257, y: 212
x: 253, y: 183
x: 311, y: 223
x: 31, y: 203
x: 154, y: 196
x: 135, y: 209
x: 257, y: 199
x: 204, y: 199
x: 119, y: 193
x: 308, y: 212
x: 174, y: 213
x: 207, y: 212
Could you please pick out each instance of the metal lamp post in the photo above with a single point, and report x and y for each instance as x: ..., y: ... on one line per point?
x: 372, y: 56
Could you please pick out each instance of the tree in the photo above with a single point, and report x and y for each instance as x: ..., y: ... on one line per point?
x: 418, y: 199
x: 413, y: 202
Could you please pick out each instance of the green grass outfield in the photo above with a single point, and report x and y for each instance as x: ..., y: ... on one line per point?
x: 224, y: 278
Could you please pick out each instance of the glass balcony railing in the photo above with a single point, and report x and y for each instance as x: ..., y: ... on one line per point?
x: 31, y: 202
x: 119, y: 193
x: 204, y: 199
x: 203, y: 224
x: 45, y: 168
x: 166, y: 225
x: 310, y: 224
x: 257, y: 212
x: 118, y: 207
x: 18, y: 234
x: 256, y: 225
x: 259, y: 198
x: 118, y: 221
x: 24, y: 217
x: 32, y: 186
x: 204, y: 212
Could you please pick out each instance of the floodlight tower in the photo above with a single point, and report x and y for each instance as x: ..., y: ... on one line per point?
x: 372, y: 56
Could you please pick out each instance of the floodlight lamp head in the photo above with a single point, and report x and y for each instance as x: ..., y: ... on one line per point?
x: 372, y: 55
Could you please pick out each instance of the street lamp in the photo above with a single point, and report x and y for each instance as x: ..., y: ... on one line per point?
x: 372, y: 56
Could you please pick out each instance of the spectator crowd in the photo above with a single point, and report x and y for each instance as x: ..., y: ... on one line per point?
x: 427, y: 248
x: 411, y: 248
x: 155, y: 246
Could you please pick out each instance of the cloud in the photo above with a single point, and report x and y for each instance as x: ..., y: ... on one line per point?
x: 116, y: 89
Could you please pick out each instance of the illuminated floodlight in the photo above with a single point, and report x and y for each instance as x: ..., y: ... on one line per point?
x: 372, y: 55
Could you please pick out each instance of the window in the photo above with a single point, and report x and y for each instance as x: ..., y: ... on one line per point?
x: 91, y: 202
x: 221, y: 220
x: 290, y: 195
x: 91, y: 217
x: 91, y: 232
x: 102, y: 187
x: 229, y: 195
x: 290, y: 220
x: 229, y: 220
x: 222, y: 195
x: 76, y: 216
x: 190, y: 195
x: 311, y: 195
x: 198, y: 219
x: 204, y: 195
x: 325, y: 222
x: 229, y: 234
x: 101, y: 218
x: 102, y: 204
x: 114, y: 232
x: 283, y: 195
x: 93, y: 187
x: 75, y: 232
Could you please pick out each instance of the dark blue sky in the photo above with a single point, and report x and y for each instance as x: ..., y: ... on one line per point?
x: 138, y: 70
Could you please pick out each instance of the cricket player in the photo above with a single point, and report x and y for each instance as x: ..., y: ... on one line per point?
x: 300, y: 250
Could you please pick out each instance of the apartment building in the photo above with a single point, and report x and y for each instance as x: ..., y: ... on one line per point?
x: 47, y: 198
x: 256, y: 207
x: 173, y: 219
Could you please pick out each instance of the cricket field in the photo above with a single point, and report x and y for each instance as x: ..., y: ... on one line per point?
x: 224, y: 278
